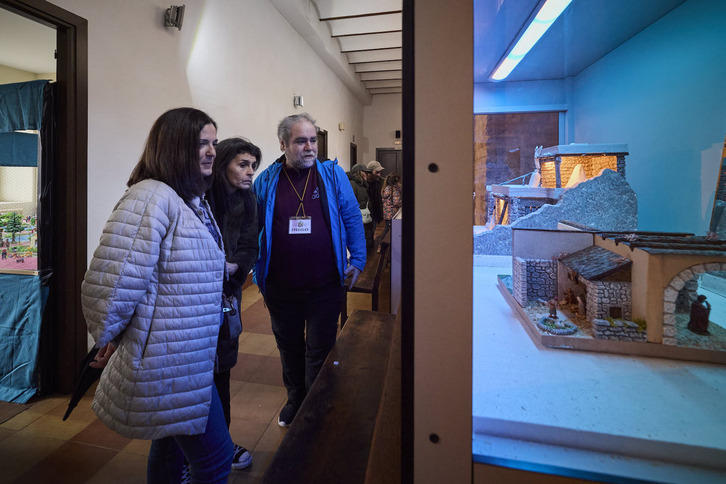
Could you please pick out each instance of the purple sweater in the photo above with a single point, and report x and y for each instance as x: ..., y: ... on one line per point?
x: 301, y: 261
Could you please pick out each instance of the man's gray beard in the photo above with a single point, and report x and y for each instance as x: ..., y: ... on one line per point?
x: 301, y: 164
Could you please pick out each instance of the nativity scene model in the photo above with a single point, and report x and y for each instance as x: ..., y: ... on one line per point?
x: 619, y: 292
x: 583, y: 276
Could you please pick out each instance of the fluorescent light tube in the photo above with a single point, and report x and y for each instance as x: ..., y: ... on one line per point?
x: 534, y: 31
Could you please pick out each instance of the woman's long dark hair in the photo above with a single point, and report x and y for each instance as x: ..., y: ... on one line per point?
x: 227, y: 150
x: 171, y: 154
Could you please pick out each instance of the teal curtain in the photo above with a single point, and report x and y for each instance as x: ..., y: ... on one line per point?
x: 21, y: 105
x: 18, y: 149
x: 22, y: 299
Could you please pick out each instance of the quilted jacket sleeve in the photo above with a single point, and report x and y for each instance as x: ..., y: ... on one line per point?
x: 124, y: 263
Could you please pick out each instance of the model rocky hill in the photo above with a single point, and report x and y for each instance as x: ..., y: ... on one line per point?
x: 605, y: 202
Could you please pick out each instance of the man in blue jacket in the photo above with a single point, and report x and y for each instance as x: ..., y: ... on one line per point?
x: 309, y: 219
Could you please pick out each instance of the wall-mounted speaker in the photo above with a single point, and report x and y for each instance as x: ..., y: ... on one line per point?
x: 398, y: 134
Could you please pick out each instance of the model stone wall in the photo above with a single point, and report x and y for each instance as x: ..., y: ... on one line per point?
x: 618, y: 330
x: 548, y: 175
x: 519, y: 280
x: 516, y: 208
x: 520, y: 207
x: 687, y: 296
x: 534, y: 279
x: 592, y: 165
x: 604, y: 295
x: 491, y: 205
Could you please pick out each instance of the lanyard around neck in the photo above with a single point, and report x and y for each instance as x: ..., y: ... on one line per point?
x: 299, y: 197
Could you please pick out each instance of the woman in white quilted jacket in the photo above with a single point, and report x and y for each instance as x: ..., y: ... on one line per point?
x: 152, y: 299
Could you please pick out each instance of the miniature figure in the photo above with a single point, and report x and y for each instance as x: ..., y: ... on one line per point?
x: 570, y: 297
x: 552, y: 304
x: 700, y: 311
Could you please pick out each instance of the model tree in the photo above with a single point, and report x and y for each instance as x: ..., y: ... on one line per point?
x: 13, y: 223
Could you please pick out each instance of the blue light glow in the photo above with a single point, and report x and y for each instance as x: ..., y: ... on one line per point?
x: 542, y: 21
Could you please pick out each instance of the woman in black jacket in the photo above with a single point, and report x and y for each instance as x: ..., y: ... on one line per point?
x: 235, y: 210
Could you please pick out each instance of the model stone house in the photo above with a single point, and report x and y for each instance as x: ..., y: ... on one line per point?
x: 600, y: 280
x: 634, y: 275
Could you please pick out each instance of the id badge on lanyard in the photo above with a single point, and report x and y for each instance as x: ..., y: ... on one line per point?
x: 300, y: 225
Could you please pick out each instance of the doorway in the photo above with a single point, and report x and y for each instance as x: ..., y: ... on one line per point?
x: 322, y: 144
x: 353, y: 154
x: 63, y: 340
x: 391, y: 160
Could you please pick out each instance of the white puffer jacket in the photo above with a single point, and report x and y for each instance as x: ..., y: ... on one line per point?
x: 156, y: 280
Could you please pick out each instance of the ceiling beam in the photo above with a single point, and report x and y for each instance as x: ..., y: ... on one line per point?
x: 361, y: 15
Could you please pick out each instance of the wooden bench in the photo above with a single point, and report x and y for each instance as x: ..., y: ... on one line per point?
x: 369, y: 280
x: 348, y: 427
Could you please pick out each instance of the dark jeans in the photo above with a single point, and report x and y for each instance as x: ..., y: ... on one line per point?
x: 305, y: 324
x: 221, y: 381
x: 209, y: 454
x: 369, y: 230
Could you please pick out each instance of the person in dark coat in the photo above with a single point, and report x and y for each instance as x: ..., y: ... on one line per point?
x: 235, y: 210
x: 358, y: 177
x: 375, y: 187
x: 700, y: 311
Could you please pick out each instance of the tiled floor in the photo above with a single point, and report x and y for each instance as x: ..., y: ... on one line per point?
x: 36, y: 446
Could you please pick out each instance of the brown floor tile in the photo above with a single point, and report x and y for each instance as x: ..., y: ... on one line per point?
x: 99, y: 435
x: 21, y: 452
x: 125, y: 468
x: 47, y: 404
x: 266, y: 370
x: 246, y: 365
x: 256, y: 318
x: 269, y: 373
x: 247, y: 433
x: 9, y: 409
x: 258, y: 344
x: 54, y: 426
x: 21, y: 420
x: 138, y: 447
x: 262, y: 455
x: 82, y: 412
x: 234, y: 387
x: 71, y: 463
x: 258, y: 403
x: 6, y: 433
x: 250, y: 296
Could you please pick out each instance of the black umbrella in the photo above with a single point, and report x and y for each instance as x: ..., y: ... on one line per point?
x: 87, y: 376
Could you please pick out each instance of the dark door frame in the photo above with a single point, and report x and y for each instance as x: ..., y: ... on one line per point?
x: 322, y: 143
x: 353, y: 154
x: 64, y: 336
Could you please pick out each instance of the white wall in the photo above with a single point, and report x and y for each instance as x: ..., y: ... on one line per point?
x: 9, y: 75
x: 663, y: 93
x: 238, y: 60
x: 381, y: 119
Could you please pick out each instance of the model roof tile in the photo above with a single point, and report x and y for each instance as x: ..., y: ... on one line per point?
x: 596, y: 263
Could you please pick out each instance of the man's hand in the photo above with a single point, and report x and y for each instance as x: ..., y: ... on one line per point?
x: 355, y: 273
x: 232, y: 268
x: 101, y: 359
